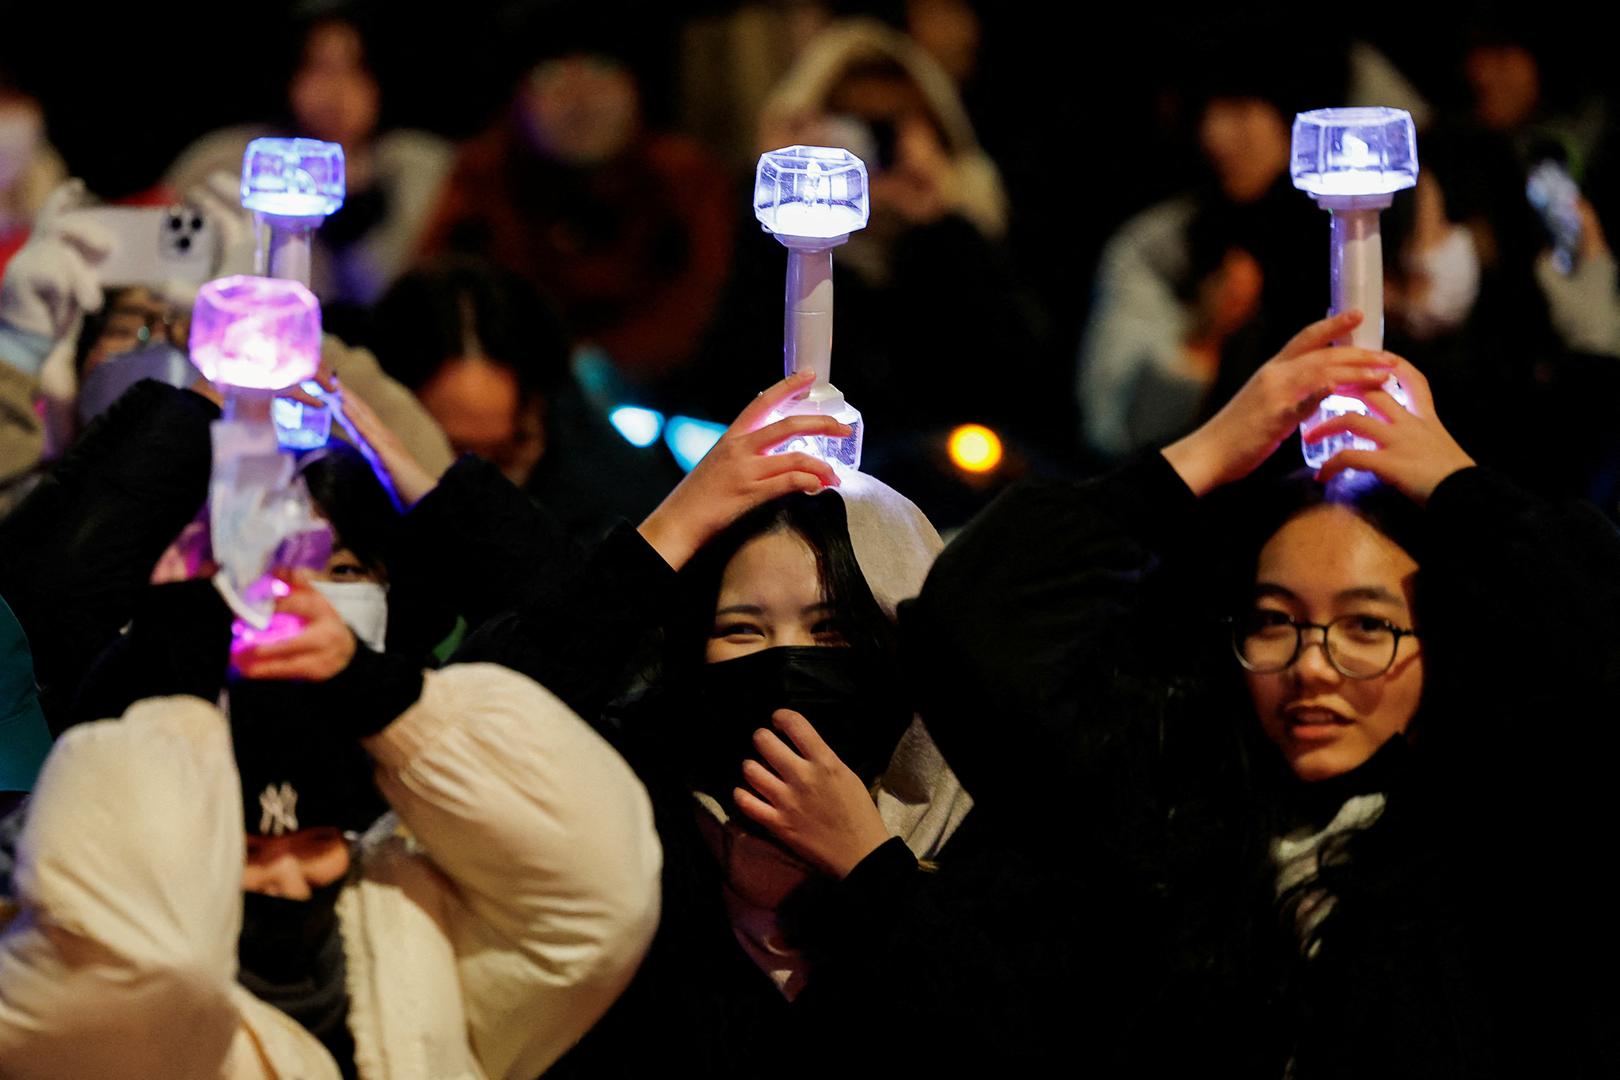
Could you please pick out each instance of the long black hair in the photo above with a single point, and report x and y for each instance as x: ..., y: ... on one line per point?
x: 821, y: 521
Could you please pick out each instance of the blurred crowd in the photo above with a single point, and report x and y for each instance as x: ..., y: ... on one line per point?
x: 1083, y: 272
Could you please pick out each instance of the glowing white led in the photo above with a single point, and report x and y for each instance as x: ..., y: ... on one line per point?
x: 811, y: 192
x: 295, y: 178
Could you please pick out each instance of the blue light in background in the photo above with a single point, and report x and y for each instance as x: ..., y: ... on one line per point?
x: 640, y: 427
x: 690, y: 439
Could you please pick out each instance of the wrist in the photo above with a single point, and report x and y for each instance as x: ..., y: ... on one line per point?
x: 666, y: 539
x: 1190, y: 459
x: 860, y: 849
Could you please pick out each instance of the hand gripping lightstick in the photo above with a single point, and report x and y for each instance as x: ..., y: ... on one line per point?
x: 251, y: 337
x: 1352, y: 162
x: 811, y: 198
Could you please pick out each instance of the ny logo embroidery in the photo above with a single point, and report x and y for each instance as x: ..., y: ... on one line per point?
x: 278, y: 810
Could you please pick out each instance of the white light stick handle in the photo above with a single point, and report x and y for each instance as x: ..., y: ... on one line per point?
x: 289, y: 252
x: 1358, y: 273
x: 1357, y: 258
x: 808, y: 315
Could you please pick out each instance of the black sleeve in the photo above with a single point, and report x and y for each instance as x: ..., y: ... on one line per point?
x: 178, y: 642
x: 586, y: 623
x: 371, y: 692
x: 1018, y: 628
x: 477, y: 546
x: 1524, y: 638
x: 912, y: 968
x: 79, y: 550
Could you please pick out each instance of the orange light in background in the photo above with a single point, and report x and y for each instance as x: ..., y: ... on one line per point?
x: 975, y: 448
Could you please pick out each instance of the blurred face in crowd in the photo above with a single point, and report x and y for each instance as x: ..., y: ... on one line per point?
x: 1246, y: 141
x: 1325, y: 564
x: 1506, y: 84
x: 292, y: 866
x: 582, y: 109
x: 901, y: 123
x: 22, y: 129
x: 137, y: 317
x: 334, y: 96
x: 770, y: 596
x: 481, y: 407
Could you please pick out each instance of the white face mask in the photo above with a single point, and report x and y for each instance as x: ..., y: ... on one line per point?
x: 363, y: 606
x: 1451, y: 269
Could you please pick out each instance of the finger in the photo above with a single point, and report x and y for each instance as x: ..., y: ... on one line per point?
x: 66, y: 196
x: 1353, y: 423
x: 1384, y: 404
x: 775, y: 434
x: 1319, y: 334
x: 760, y: 409
x: 310, y: 638
x: 756, y: 809
x: 290, y: 670
x: 1349, y: 354
x: 1365, y: 460
x: 783, y: 761
x: 306, y: 603
x: 327, y: 377
x: 298, y: 393
x: 86, y: 284
x: 1416, y: 386
x: 801, y: 462
x: 791, y: 483
x: 810, y: 744
x: 762, y: 780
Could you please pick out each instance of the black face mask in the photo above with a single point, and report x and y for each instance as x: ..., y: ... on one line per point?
x: 291, y: 956
x: 282, y: 939
x: 849, y: 695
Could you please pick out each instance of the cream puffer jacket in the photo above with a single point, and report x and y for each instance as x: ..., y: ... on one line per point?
x: 482, y: 946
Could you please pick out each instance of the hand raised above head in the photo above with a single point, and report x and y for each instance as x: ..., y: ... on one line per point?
x: 740, y: 473
x: 1266, y: 410
x: 1415, y: 452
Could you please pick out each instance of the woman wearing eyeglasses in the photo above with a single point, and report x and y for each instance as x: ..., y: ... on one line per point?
x: 1317, y: 769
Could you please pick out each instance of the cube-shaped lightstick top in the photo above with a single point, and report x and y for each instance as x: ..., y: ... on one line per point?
x: 810, y: 193
x: 256, y: 333
x: 296, y: 178
x: 1351, y: 152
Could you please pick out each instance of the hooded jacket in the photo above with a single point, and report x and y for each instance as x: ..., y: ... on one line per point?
x: 902, y: 975
x: 481, y: 943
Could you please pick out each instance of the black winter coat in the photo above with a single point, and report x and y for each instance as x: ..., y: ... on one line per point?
x: 1070, y: 671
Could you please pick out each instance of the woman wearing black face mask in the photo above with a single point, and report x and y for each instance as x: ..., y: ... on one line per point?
x: 823, y: 889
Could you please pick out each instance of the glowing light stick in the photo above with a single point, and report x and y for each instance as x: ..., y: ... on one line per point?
x: 291, y: 185
x: 1352, y: 162
x: 253, y: 336
x: 811, y: 198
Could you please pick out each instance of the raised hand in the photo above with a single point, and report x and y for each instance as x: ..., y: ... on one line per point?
x: 411, y: 480
x: 1283, y: 392
x: 1415, y: 451
x: 740, y: 473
